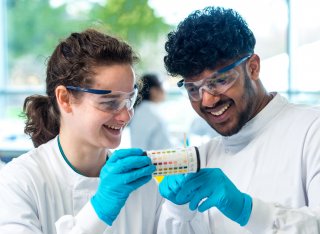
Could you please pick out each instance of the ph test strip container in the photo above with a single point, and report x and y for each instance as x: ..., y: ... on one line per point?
x: 175, y: 161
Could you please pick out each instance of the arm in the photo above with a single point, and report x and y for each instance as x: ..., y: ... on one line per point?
x: 208, y: 188
x: 274, y: 218
x: 197, y: 191
x: 289, y: 220
x: 178, y: 219
x: 124, y: 172
x: 268, y: 217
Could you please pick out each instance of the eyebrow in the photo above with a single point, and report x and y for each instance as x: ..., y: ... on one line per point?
x: 115, y: 95
x: 110, y: 95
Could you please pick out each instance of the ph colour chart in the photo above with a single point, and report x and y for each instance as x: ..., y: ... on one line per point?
x: 175, y: 161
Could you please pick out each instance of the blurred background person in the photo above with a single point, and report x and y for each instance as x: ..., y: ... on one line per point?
x: 148, y: 130
x: 200, y: 132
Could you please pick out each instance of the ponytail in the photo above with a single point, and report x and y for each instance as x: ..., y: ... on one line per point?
x: 42, y: 122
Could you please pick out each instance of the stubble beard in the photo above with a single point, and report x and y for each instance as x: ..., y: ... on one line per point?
x: 244, y: 116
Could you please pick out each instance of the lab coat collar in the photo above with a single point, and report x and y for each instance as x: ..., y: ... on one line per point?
x: 256, y: 124
x: 82, y: 187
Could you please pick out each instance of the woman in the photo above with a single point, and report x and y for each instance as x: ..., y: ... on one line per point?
x: 71, y: 183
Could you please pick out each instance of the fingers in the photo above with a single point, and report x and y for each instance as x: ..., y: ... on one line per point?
x: 134, y: 175
x: 208, y: 203
x: 174, y: 182
x: 199, y: 186
x: 205, y: 198
x: 122, y: 153
x: 169, y: 187
x: 128, y: 164
x: 189, y: 189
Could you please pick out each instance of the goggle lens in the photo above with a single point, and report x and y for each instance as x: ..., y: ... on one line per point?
x: 115, y: 104
x: 219, y: 82
x: 108, y: 100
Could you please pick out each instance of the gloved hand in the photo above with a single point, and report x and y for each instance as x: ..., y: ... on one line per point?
x: 125, y: 171
x: 212, y: 185
x: 170, y: 185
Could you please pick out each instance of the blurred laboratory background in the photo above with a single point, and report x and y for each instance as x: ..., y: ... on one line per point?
x: 287, y: 33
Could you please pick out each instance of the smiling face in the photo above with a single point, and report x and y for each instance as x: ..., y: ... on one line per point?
x: 228, y: 112
x: 97, y: 127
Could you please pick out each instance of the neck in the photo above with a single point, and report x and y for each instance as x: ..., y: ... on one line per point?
x: 266, y: 98
x: 87, y: 160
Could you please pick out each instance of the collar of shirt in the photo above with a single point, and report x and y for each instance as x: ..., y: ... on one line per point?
x: 256, y: 124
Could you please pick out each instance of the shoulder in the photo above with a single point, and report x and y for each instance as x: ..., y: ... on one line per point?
x: 28, y: 168
x: 20, y: 179
x: 302, y: 108
x: 296, y: 109
x: 288, y: 113
x: 300, y: 115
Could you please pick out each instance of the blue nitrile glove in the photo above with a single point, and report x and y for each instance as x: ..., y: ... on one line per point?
x: 125, y: 171
x: 170, y: 185
x: 212, y: 185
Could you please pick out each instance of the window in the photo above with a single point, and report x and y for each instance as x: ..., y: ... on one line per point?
x: 287, y: 33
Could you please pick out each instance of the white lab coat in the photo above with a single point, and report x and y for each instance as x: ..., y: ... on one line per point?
x: 148, y: 129
x: 40, y: 193
x: 275, y: 158
x: 2, y: 164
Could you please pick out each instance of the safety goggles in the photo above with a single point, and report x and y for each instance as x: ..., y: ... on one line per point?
x: 219, y: 82
x: 108, y: 100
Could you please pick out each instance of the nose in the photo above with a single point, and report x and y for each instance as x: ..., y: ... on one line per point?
x: 124, y: 115
x: 209, y: 99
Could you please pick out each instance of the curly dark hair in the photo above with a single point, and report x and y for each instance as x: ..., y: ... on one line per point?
x: 72, y: 63
x: 205, y: 39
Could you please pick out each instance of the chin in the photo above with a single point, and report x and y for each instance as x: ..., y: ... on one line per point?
x: 231, y: 131
x: 227, y: 130
x: 111, y: 144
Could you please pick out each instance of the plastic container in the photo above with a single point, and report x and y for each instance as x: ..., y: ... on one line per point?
x: 175, y: 161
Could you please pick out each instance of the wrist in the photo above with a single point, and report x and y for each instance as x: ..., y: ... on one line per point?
x: 246, y: 210
x: 99, y: 211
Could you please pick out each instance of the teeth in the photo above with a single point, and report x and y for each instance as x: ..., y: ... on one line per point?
x: 113, y: 127
x: 221, y: 111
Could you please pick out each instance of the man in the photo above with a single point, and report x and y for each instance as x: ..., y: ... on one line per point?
x: 262, y: 175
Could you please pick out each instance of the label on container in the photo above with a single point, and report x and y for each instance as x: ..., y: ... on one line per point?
x: 175, y: 161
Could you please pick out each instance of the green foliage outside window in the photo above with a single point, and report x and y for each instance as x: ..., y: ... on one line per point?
x: 133, y: 20
x: 34, y: 26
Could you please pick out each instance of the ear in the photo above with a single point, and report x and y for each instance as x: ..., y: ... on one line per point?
x: 63, y: 98
x: 254, y: 67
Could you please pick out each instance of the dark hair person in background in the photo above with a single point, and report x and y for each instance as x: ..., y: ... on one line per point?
x: 148, y: 130
x: 262, y: 175
x: 71, y: 182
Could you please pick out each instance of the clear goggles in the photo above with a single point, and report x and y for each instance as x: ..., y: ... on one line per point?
x: 108, y: 100
x: 219, y: 82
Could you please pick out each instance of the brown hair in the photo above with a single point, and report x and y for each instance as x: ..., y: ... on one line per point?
x: 71, y: 63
